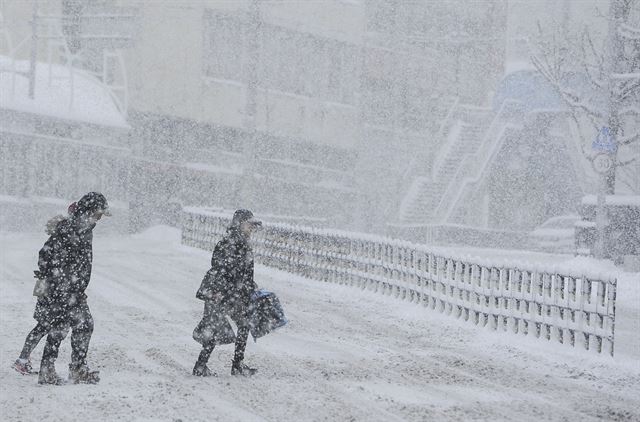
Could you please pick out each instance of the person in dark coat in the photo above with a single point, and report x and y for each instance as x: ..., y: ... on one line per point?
x: 65, y: 263
x: 227, y: 290
x: 23, y: 363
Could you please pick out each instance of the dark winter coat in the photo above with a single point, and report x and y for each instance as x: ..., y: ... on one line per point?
x: 65, y: 263
x: 231, y: 273
x: 226, y: 289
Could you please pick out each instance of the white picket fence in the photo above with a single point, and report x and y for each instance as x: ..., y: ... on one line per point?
x: 549, y: 304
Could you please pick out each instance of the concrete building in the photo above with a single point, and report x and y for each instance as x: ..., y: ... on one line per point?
x: 331, y: 105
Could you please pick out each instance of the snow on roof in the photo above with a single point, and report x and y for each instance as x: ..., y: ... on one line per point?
x: 517, y: 65
x: 530, y: 88
x: 92, y: 103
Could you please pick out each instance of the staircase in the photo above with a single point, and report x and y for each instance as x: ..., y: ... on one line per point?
x: 464, y: 138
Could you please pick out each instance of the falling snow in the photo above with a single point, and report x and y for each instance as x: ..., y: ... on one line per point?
x: 442, y: 153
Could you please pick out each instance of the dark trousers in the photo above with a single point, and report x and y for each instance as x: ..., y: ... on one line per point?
x: 33, y: 338
x: 241, y: 339
x: 80, y: 321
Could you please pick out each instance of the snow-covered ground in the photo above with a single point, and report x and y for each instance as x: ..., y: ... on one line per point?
x: 347, y: 354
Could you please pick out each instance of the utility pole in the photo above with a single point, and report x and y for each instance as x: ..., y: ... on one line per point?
x: 246, y: 195
x: 34, y: 50
x: 613, y: 55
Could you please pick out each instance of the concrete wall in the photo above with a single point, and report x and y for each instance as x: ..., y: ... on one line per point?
x: 169, y: 51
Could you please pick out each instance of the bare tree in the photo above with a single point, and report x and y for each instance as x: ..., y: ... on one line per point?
x: 612, y: 72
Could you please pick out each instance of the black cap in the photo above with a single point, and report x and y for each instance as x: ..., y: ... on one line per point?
x: 242, y: 215
x: 93, y: 201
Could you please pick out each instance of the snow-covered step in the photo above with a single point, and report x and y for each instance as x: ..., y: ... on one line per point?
x: 463, y: 139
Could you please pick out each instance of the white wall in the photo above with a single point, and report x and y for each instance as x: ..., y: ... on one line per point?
x: 166, y: 69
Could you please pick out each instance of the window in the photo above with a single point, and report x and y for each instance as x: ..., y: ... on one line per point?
x: 380, y: 15
x: 305, y: 64
x: 223, y: 45
x: 335, y: 58
x: 282, y: 59
x: 342, y: 78
x: 378, y: 101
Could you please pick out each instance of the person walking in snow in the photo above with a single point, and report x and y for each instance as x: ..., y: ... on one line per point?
x: 23, y: 363
x: 65, y: 264
x: 226, y: 290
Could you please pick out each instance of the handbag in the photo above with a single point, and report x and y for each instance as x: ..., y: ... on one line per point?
x: 265, y: 314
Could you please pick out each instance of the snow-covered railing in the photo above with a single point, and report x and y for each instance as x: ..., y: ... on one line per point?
x: 552, y: 303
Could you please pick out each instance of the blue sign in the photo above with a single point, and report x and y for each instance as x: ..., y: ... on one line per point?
x: 604, y: 142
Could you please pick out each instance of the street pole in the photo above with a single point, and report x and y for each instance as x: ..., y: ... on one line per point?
x: 601, y: 217
x: 613, y: 54
x: 34, y: 50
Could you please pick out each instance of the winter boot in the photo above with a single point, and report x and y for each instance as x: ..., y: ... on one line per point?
x: 242, y: 369
x: 48, y: 375
x: 23, y: 366
x: 203, y: 371
x: 82, y: 375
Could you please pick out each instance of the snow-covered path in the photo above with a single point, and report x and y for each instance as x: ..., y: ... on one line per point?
x: 346, y: 354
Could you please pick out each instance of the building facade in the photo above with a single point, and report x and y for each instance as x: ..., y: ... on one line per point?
x: 326, y: 99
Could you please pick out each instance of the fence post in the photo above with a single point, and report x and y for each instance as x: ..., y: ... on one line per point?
x: 494, y: 308
x: 611, y: 314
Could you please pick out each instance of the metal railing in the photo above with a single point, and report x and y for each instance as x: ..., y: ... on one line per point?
x: 546, y: 303
x: 410, y: 173
x: 473, y: 165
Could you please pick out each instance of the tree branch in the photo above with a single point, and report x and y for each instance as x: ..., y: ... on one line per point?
x: 575, y: 119
x: 541, y: 67
x: 627, y: 140
x: 598, y: 56
x: 571, y: 99
x: 595, y: 82
x: 628, y: 90
x: 626, y: 163
x: 626, y: 175
x: 629, y: 110
x: 629, y: 32
x: 574, y: 101
x: 552, y: 69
